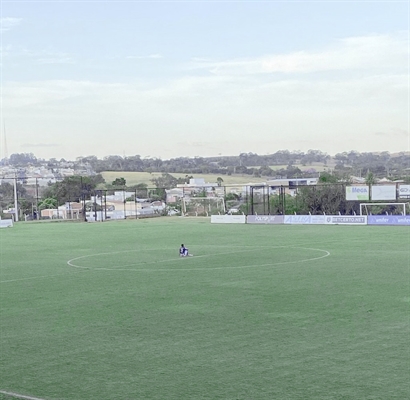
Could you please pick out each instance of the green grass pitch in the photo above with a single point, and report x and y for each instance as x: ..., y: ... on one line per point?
x: 109, y: 311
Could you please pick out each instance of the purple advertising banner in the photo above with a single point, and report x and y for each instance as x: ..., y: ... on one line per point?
x: 388, y: 220
x: 264, y: 219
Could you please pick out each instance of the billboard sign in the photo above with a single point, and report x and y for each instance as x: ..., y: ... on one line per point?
x: 357, y: 193
x: 317, y: 219
x: 388, y: 220
x: 384, y: 192
x: 228, y: 219
x: 297, y: 219
x: 265, y: 219
x: 404, y: 191
x: 346, y: 219
x: 5, y: 223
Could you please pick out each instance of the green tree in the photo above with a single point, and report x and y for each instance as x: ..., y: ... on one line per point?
x: 26, y: 205
x: 23, y: 159
x: 72, y: 188
x: 167, y: 181
x: 265, y: 171
x: 326, y: 177
x: 25, y: 201
x: 119, y: 182
x: 327, y: 199
x: 188, y: 178
x: 232, y: 197
x: 370, y: 178
x: 290, y: 203
x: 6, y: 195
x: 47, y: 203
x: 141, y: 190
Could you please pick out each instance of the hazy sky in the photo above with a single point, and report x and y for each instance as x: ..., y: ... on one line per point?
x: 202, y: 78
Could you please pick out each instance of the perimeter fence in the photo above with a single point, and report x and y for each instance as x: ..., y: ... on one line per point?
x: 23, y: 202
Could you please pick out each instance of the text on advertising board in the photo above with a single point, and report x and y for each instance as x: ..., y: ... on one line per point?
x: 346, y: 219
x: 388, y: 220
x: 264, y: 219
x: 404, y: 191
x: 357, y: 193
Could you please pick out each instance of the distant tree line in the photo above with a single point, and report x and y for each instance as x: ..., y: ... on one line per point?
x: 381, y: 165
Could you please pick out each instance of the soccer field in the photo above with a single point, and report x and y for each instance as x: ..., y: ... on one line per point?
x: 109, y: 311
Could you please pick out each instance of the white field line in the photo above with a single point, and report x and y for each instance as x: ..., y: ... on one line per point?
x: 71, y: 264
x: 117, y: 269
x: 20, y: 396
x: 327, y: 253
x: 219, y: 268
x: 249, y: 248
x: 34, y: 277
x: 178, y: 258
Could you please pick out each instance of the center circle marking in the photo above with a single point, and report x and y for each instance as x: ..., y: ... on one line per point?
x: 175, y: 259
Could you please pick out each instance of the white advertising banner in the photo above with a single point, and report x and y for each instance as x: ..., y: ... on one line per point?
x: 326, y: 219
x: 384, y: 192
x: 5, y: 223
x: 228, y: 219
x: 346, y: 219
x: 305, y: 219
x: 357, y: 192
x: 297, y: 219
x: 404, y: 191
x: 317, y: 219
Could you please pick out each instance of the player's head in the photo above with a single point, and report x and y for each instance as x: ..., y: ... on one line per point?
x: 182, y: 245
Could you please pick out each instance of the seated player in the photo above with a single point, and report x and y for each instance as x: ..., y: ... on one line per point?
x: 183, y: 251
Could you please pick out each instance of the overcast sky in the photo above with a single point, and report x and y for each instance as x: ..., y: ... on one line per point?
x: 203, y: 78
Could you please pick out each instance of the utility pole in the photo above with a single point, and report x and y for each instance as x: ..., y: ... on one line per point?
x: 16, y: 211
x: 37, y: 216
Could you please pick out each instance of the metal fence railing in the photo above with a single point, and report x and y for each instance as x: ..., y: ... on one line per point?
x: 81, y: 202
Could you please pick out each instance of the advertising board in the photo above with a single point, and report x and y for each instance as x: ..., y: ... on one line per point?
x: 404, y: 191
x: 317, y: 219
x: 264, y: 219
x: 228, y: 219
x: 346, y: 219
x: 384, y: 192
x: 357, y: 192
x: 305, y: 219
x: 297, y: 219
x: 388, y: 220
x: 5, y: 223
